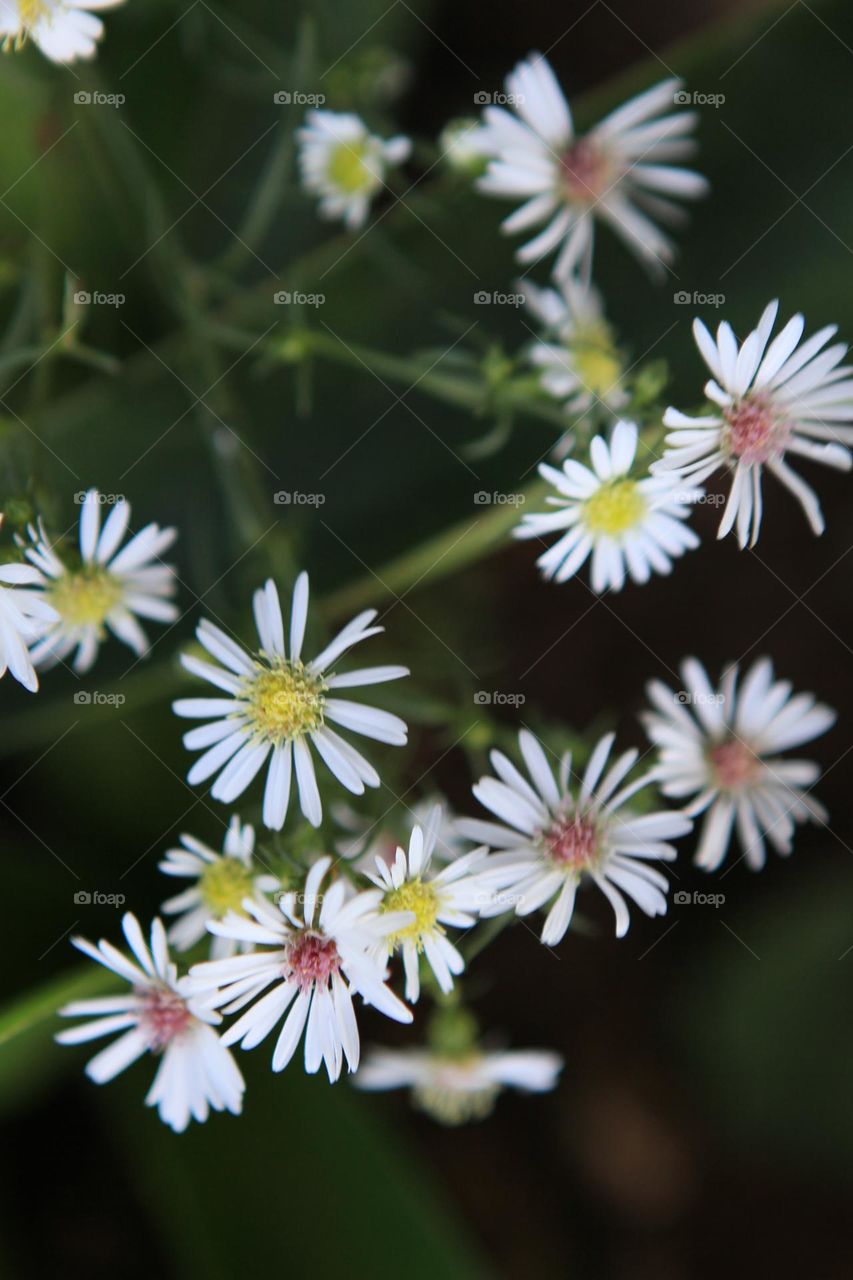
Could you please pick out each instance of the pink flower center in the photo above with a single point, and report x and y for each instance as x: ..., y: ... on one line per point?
x: 164, y: 1016
x: 755, y: 433
x: 585, y: 171
x: 734, y: 765
x: 572, y: 842
x: 312, y: 960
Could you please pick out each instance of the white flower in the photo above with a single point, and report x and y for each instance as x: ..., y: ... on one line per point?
x: 451, y: 896
x: 108, y: 591
x: 159, y: 1016
x: 457, y: 1088
x: 463, y: 145
x: 773, y: 400
x: 344, y: 164
x: 624, y: 524
x: 579, y: 362
x: 223, y: 880
x: 24, y: 612
x: 64, y: 30
x: 554, y: 839
x: 365, y: 841
x: 278, y: 704
x: 316, y: 962
x: 619, y: 172
x: 721, y: 746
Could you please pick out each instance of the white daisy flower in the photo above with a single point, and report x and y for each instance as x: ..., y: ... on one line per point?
x: 579, y: 362
x: 222, y: 881
x: 620, y: 172
x: 625, y: 524
x: 722, y: 747
x: 24, y: 613
x: 159, y: 1016
x: 64, y: 30
x: 345, y: 164
x: 277, y: 705
x: 109, y: 590
x: 458, y: 1088
x: 451, y: 896
x: 773, y: 400
x: 313, y: 964
x: 553, y: 839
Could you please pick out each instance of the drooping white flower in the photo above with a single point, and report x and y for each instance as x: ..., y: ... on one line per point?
x: 552, y: 838
x: 579, y: 362
x: 776, y: 400
x: 161, y: 1017
x: 64, y: 30
x: 24, y: 613
x: 345, y: 164
x: 463, y: 144
x: 629, y: 526
x: 108, y: 591
x: 722, y: 746
x: 450, y: 896
x: 365, y: 841
x: 621, y: 172
x: 277, y: 705
x: 458, y: 1088
x: 222, y: 881
x: 313, y: 962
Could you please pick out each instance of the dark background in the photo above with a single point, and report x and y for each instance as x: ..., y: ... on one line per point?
x: 703, y: 1122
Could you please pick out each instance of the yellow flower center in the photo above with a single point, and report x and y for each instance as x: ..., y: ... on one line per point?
x: 598, y: 368
x: 84, y: 599
x: 285, y: 701
x: 419, y: 898
x: 223, y: 886
x: 32, y: 11
x: 349, y: 168
x: 616, y: 507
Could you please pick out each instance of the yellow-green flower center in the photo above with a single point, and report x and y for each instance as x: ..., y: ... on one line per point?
x: 598, y: 367
x: 85, y: 598
x: 350, y: 169
x: 32, y: 11
x: 450, y: 1103
x: 419, y: 898
x: 223, y: 885
x: 285, y: 701
x: 614, y: 508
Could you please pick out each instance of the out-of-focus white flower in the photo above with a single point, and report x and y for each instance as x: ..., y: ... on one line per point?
x: 345, y: 164
x: 24, y: 613
x: 721, y: 746
x: 64, y: 30
x: 579, y: 362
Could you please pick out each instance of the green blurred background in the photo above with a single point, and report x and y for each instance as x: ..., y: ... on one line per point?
x: 703, y: 1123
